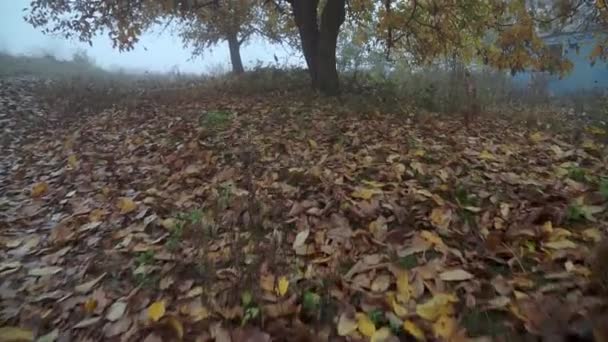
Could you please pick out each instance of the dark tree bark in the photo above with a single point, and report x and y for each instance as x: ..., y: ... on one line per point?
x: 235, y: 54
x: 319, y: 40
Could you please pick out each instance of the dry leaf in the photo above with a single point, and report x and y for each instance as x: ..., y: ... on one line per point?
x: 445, y: 327
x: 404, y: 289
x: 15, y: 334
x: 412, y: 329
x: 365, y: 325
x: 455, y: 275
x: 300, y: 238
x: 441, y: 217
x: 219, y: 333
x: 85, y: 323
x: 381, y: 335
x: 86, y: 287
x: 175, y: 325
x: 116, y: 311
x: 44, y: 271
x: 346, y: 325
x: 116, y: 328
x: 381, y: 283
x: 156, y: 310
x: 365, y: 193
x: 126, y: 205
x: 560, y: 244
x: 282, y: 286
x: 39, y: 189
x: 439, y: 305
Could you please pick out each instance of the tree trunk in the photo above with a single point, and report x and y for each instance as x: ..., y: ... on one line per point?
x: 235, y: 54
x: 305, y: 16
x: 319, y: 41
x: 331, y: 20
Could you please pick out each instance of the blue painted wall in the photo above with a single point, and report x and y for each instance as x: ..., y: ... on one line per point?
x: 583, y: 76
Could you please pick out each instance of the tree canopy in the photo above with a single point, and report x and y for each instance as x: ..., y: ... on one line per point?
x: 500, y: 33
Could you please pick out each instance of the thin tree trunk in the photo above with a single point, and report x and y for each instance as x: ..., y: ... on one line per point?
x: 235, y: 54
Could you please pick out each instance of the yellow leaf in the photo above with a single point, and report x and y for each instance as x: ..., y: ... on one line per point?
x: 419, y: 153
x: 176, y: 325
x: 399, y: 309
x: 592, y: 234
x: 412, y: 329
x: 39, y: 189
x: 404, y: 289
x: 126, y: 205
x: 365, y: 193
x: 365, y: 325
x: 440, y: 304
x: 381, y: 335
x: 15, y: 334
x: 346, y: 325
x: 72, y: 161
x: 560, y: 244
x: 90, y: 305
x: 431, y: 238
x: 441, y: 217
x: 536, y: 137
x: 156, y: 310
x: 282, y: 286
x: 485, y: 155
x: 445, y: 327
x: 312, y: 143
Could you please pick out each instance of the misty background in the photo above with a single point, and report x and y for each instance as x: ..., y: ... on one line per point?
x: 157, y: 50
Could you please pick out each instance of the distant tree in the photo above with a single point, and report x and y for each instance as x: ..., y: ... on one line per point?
x: 233, y: 21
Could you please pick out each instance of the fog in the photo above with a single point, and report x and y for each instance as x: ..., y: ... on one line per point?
x: 157, y: 50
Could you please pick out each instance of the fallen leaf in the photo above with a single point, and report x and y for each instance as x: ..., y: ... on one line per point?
x: 444, y: 327
x: 399, y: 309
x: 346, y: 325
x: 282, y: 286
x: 39, y: 189
x: 560, y: 244
x: 441, y: 217
x: 365, y: 325
x: 117, y: 328
x: 175, y: 325
x: 86, y: 287
x: 365, y: 193
x: 592, y: 234
x: 455, y: 275
x: 15, y: 334
x: 116, y: 311
x: 219, y: 333
x: 381, y: 283
x: 44, y: 271
x: 156, y: 310
x: 300, y: 238
x: 49, y: 337
x: 90, y: 305
x: 440, y: 304
x: 404, y: 289
x: 72, y: 161
x: 412, y: 329
x: 87, y: 322
x: 126, y: 205
x: 485, y: 155
x: 381, y: 335
x: 195, y: 310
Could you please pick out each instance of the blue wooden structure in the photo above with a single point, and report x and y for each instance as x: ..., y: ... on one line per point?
x: 585, y: 76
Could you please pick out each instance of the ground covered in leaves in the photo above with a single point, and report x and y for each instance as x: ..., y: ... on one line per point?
x: 189, y: 216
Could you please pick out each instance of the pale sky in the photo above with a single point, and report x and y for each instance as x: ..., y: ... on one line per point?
x: 162, y: 50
